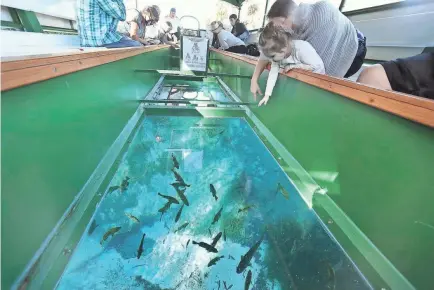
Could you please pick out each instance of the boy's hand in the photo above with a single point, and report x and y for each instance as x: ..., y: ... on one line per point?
x: 264, y: 100
x: 254, y: 89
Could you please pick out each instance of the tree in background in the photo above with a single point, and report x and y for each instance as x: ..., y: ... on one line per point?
x: 252, y: 10
x: 222, y: 12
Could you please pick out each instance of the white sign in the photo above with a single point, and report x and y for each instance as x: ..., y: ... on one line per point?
x: 194, y: 53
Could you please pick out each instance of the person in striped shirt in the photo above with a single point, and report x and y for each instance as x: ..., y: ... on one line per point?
x: 339, y: 44
x: 97, y: 23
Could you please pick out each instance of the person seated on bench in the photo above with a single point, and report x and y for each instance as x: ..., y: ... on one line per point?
x: 97, y: 21
x: 227, y: 40
x: 412, y: 75
x: 238, y: 28
x: 166, y: 35
x: 276, y: 45
x: 136, y: 22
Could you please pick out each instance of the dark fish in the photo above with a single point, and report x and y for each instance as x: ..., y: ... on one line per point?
x: 282, y: 190
x: 179, y: 185
x: 213, y: 191
x: 165, y: 207
x: 182, y: 196
x: 140, y: 250
x: 178, y: 215
x: 330, y: 275
x: 182, y: 227
x: 188, y: 242
x: 226, y: 287
x: 217, y: 216
x: 215, y: 260
x: 175, y: 162
x: 218, y: 284
x: 179, y: 178
x: 224, y: 235
x: 169, y: 198
x: 248, y: 280
x: 216, y: 239
x: 231, y: 258
x: 125, y: 183
x: 245, y: 260
x: 113, y: 188
x: 133, y: 218
x: 92, y: 227
x: 110, y: 232
x: 246, y: 208
x: 209, y: 231
x: 206, y: 246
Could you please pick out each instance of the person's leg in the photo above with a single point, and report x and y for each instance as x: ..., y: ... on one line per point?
x: 358, y: 60
x: 244, y: 36
x: 375, y: 76
x: 238, y: 49
x: 124, y: 42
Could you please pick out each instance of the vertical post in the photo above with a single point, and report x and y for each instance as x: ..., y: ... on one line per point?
x: 341, y: 6
x: 239, y: 11
x: 29, y: 20
x: 265, y: 13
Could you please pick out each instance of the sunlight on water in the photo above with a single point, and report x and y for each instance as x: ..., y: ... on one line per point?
x: 250, y: 219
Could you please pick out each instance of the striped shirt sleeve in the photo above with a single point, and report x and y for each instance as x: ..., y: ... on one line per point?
x: 114, y: 8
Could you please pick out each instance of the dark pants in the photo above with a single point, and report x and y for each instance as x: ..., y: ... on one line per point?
x: 237, y: 49
x: 358, y: 60
x: 412, y: 75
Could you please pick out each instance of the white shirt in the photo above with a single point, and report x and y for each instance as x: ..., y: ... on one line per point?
x: 303, y: 56
x: 175, y: 23
x: 227, y: 39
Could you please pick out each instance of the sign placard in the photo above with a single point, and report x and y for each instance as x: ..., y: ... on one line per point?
x: 194, y: 54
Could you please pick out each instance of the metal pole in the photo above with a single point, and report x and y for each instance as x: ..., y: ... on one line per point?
x: 265, y: 13
x: 239, y: 12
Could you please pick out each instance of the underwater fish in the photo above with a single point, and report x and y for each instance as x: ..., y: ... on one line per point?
x: 182, y: 196
x: 209, y: 231
x: 140, y: 249
x: 218, y: 285
x: 248, y: 280
x: 113, y: 188
x: 133, y: 218
x: 179, y: 178
x: 179, y: 185
x: 331, y: 283
x: 110, y: 232
x: 216, y: 239
x: 245, y: 260
x: 231, y: 258
x: 164, y: 209
x: 188, y: 242
x: 92, y: 227
x: 215, y: 260
x: 182, y: 227
x: 217, y: 216
x: 246, y: 208
x: 206, y: 246
x: 125, y: 183
x: 226, y: 287
x: 175, y: 162
x: 169, y: 198
x: 178, y: 215
x: 282, y: 190
x: 224, y: 235
x: 213, y: 191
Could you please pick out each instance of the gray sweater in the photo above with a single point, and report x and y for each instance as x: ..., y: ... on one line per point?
x: 332, y: 35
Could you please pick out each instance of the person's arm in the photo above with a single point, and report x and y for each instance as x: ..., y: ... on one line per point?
x: 115, y: 8
x: 308, y: 58
x: 271, y: 82
x: 222, y: 41
x: 259, y: 68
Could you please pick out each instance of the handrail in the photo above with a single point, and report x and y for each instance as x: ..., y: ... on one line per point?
x: 417, y: 109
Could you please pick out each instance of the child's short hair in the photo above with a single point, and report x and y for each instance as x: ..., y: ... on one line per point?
x: 273, y: 39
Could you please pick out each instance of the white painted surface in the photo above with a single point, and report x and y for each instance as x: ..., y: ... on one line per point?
x: 5, y: 15
x: 406, y: 27
x: 47, y: 20
x: 59, y: 8
x: 15, y: 43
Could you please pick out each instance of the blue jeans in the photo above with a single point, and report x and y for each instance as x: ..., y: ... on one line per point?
x: 123, y: 42
x: 244, y: 36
